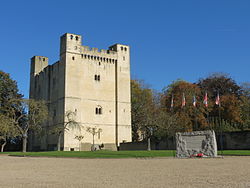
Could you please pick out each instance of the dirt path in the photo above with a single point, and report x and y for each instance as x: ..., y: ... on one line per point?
x: 168, y: 172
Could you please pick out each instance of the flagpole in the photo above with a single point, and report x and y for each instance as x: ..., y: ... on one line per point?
x: 195, y: 112
x: 208, y: 119
x: 196, y: 125
x: 207, y: 112
x: 173, y: 134
x: 221, y: 141
x: 220, y: 124
x: 171, y: 116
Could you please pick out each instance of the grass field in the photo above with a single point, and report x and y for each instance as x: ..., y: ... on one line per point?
x: 235, y: 152
x: 117, y: 154
x: 97, y: 154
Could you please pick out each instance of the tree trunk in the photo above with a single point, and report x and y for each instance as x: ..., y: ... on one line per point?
x: 149, y: 144
x: 25, y: 142
x: 59, y: 143
x: 2, y: 147
x: 93, y: 145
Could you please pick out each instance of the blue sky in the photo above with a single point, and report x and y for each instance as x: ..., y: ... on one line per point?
x: 168, y: 39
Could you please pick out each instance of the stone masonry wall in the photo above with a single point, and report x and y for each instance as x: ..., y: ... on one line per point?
x: 189, y: 144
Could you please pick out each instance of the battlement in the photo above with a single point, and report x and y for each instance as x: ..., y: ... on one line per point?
x: 87, y: 49
x: 73, y: 43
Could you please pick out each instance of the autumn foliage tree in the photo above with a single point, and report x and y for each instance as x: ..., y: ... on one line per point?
x: 230, y: 98
x: 190, y: 117
x: 142, y: 109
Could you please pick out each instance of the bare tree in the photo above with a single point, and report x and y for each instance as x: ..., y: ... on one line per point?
x: 79, y: 138
x: 94, y: 131
x: 70, y: 123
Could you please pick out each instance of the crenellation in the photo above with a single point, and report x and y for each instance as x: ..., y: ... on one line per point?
x: 96, y: 51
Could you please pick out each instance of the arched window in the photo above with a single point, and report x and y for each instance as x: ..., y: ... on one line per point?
x: 98, y: 110
x: 73, y: 58
x: 71, y: 37
x: 77, y: 38
x: 98, y: 77
x: 125, y: 49
x: 95, y: 77
x: 121, y: 48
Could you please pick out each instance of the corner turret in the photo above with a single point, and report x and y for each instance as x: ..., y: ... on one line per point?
x: 38, y: 63
x: 70, y: 43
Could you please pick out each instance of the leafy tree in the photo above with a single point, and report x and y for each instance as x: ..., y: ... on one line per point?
x: 230, y: 97
x: 142, y: 109
x: 70, y: 123
x: 219, y: 82
x: 167, y: 124
x: 8, y: 94
x: 30, y: 115
x: 189, y: 117
x: 245, y: 105
x: 7, y: 130
x: 8, y: 91
x: 245, y: 88
x: 230, y: 108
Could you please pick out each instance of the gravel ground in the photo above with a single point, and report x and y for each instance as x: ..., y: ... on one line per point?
x: 33, y: 172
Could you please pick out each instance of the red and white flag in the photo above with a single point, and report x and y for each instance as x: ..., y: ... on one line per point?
x: 205, y: 101
x: 194, y: 101
x: 217, y: 101
x: 183, y: 103
x: 172, y: 102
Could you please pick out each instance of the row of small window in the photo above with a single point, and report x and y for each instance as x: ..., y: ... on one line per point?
x: 72, y: 37
x: 97, y: 77
x: 98, y: 58
x: 98, y: 111
x: 123, y: 48
x: 41, y: 59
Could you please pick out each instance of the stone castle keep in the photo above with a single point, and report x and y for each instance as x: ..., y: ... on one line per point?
x: 94, y: 84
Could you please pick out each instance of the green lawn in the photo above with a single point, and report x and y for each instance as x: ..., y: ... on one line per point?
x: 116, y: 154
x: 235, y: 152
x: 97, y: 154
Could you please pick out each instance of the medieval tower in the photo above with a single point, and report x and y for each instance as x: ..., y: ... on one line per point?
x: 92, y: 83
